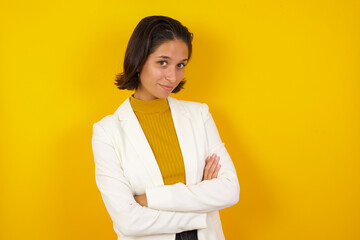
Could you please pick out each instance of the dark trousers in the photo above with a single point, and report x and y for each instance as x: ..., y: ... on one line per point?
x: 188, y: 235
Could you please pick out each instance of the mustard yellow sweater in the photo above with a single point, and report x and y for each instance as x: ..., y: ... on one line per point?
x: 156, y: 122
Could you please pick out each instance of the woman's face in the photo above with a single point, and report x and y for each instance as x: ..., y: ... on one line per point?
x: 163, y: 70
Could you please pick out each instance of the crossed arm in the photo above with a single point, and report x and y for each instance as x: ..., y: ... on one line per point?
x: 211, y: 171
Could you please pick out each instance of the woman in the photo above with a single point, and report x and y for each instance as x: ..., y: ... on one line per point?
x: 160, y: 165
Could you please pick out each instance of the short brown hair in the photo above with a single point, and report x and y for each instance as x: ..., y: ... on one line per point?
x: 149, y: 34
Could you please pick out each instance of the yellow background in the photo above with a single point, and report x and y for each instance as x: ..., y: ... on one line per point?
x: 281, y: 79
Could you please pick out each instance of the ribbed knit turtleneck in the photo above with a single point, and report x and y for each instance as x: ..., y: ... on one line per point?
x: 156, y: 121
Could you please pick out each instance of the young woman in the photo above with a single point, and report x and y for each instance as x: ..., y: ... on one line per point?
x: 160, y: 165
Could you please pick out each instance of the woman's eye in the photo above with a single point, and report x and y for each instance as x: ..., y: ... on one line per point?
x: 163, y: 63
x: 181, y: 65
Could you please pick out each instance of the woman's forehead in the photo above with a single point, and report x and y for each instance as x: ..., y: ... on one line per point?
x: 172, y: 50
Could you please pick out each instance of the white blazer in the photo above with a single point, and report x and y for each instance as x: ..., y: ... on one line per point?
x: 125, y: 166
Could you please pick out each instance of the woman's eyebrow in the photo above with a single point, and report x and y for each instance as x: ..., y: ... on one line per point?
x: 167, y: 57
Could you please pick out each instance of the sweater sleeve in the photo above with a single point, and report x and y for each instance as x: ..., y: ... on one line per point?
x: 206, y: 196
x: 128, y: 216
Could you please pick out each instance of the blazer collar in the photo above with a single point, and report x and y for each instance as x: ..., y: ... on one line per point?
x: 183, y: 127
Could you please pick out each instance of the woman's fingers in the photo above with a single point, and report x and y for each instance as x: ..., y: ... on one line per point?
x: 216, y: 171
x: 212, y: 167
x: 206, y: 168
x: 209, y: 163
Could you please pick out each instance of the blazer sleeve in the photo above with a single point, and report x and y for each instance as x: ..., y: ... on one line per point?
x: 206, y: 196
x: 130, y: 218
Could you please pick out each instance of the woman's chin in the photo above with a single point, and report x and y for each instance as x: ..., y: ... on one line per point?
x: 163, y: 95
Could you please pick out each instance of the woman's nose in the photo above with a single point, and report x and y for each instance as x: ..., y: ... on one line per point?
x: 171, y: 74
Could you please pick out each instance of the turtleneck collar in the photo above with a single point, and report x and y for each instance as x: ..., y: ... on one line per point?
x: 150, y: 106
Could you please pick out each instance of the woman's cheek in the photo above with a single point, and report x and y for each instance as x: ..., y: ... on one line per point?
x: 159, y: 73
x: 180, y: 75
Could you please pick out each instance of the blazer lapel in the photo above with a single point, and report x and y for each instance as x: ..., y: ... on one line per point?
x: 135, y: 134
x: 185, y: 134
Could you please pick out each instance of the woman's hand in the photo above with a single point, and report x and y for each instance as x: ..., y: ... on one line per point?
x: 141, y: 199
x: 211, y: 171
x: 212, y: 167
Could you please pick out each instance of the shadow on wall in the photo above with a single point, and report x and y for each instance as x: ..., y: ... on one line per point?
x: 255, y: 205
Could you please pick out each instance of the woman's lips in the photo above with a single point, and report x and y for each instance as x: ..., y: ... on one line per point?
x: 167, y: 88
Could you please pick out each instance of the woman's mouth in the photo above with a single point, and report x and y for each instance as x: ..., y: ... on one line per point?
x: 166, y: 88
